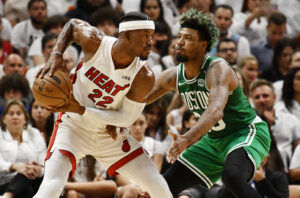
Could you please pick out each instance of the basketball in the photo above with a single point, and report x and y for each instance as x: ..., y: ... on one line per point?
x: 52, y: 90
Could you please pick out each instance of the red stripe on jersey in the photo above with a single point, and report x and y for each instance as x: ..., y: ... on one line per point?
x: 57, y: 122
x: 72, y: 159
x: 74, y: 76
x: 113, y: 168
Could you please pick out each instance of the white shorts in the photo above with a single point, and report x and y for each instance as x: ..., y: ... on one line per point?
x: 76, y: 143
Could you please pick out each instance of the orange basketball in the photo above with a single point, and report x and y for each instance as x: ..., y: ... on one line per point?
x: 52, y: 90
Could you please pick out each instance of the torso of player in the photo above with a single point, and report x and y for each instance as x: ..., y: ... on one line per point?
x: 98, y: 84
x: 238, y: 113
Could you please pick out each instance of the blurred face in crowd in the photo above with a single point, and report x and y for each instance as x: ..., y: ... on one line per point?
x: 296, y: 60
x: 223, y: 20
x: 202, y: 5
x: 228, y: 51
x: 69, y: 61
x: 296, y: 83
x: 285, y: 58
x: 138, y: 128
x: 13, y: 94
x: 275, y: 33
x: 186, y: 6
x: 250, y: 70
x: 14, y: 119
x: 159, y: 40
x: 14, y: 64
x: 253, y: 4
x: 152, y: 9
x: 263, y: 98
x: 56, y: 30
x: 108, y: 27
x: 38, y: 12
x: 153, y: 116
x: 171, y: 48
x: 39, y: 113
x: 48, y: 48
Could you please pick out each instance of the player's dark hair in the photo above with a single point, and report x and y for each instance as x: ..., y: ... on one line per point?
x: 134, y: 16
x: 15, y: 82
x: 203, y: 24
x: 31, y: 2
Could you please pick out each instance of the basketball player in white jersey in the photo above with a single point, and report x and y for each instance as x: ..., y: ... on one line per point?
x: 110, y: 87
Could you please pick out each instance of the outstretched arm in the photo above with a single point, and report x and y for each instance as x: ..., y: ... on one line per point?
x: 81, y: 32
x: 220, y: 80
x: 165, y: 83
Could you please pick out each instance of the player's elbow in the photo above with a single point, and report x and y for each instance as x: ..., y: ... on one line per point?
x: 218, y: 114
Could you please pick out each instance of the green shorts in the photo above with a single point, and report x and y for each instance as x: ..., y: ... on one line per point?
x: 206, y: 158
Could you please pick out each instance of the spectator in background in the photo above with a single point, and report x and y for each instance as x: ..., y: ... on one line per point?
x: 41, y: 119
x: 6, y: 30
x: 48, y: 42
x: 85, y: 8
x: 5, y: 47
x: 279, y: 84
x: 291, y: 91
x: 285, y: 126
x: 276, y: 30
x: 160, y: 40
x: 52, y: 24
x: 174, y: 117
x: 15, y: 11
x: 281, y: 61
x: 69, y: 61
x: 157, y: 127
x: 14, y: 63
x: 22, y: 153
x: 153, y: 147
x: 106, y: 19
x: 251, y: 22
x: 154, y: 9
x: 248, y: 65
x: 183, y: 5
x: 270, y: 179
x: 25, y: 32
x: 89, y: 181
x: 223, y: 18
x: 169, y: 60
x: 227, y: 49
x: 245, y: 84
x: 206, y: 6
x: 294, y: 174
x: 14, y: 86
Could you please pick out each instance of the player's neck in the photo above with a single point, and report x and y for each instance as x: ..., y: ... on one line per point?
x: 193, y: 67
x: 120, y: 56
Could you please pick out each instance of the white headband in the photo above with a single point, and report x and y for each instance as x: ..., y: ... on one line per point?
x: 136, y: 25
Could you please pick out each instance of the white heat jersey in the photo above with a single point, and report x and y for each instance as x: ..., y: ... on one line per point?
x: 99, y: 85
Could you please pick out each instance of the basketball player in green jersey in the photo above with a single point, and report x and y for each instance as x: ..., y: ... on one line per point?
x: 229, y: 140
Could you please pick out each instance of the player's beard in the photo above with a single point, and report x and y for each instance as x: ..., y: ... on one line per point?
x: 180, y: 58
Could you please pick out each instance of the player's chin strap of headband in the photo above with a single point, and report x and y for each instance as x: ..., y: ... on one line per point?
x: 136, y: 25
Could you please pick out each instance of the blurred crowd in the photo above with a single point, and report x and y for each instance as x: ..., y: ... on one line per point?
x: 259, y: 38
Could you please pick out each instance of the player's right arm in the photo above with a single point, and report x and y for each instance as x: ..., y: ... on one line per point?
x: 75, y: 30
x: 165, y: 83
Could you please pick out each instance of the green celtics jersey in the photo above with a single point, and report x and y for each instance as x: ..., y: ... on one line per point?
x: 238, y: 113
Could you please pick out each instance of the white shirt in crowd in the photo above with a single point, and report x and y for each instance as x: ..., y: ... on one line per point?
x: 32, y: 148
x: 23, y: 34
x: 152, y: 146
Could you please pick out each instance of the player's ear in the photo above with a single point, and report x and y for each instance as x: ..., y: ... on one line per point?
x: 203, y: 45
x: 126, y: 35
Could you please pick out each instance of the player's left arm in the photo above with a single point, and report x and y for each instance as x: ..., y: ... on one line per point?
x: 220, y: 80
